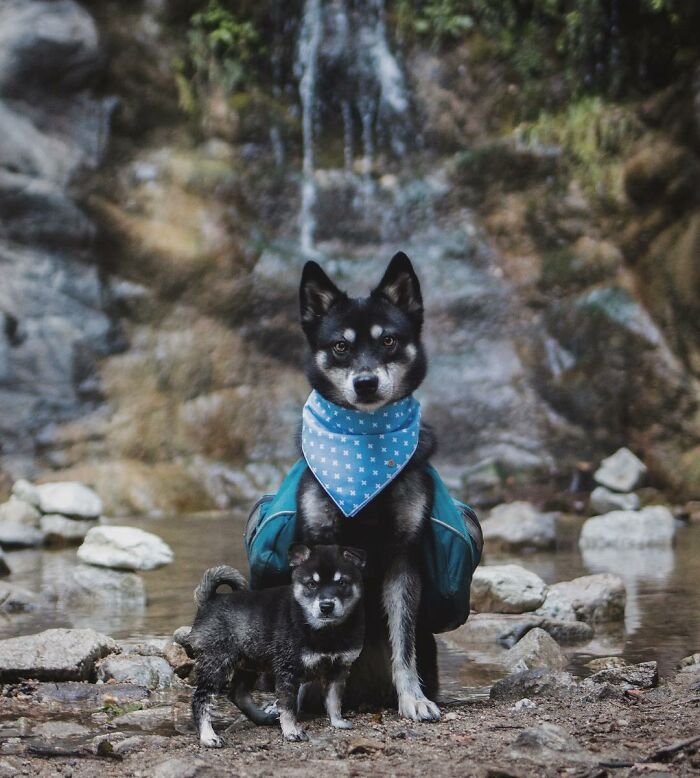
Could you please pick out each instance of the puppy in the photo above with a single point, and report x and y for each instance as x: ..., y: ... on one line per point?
x: 311, y: 630
x: 367, y: 484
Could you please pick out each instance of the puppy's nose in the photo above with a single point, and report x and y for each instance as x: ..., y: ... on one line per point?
x: 365, y: 385
x: 326, y: 607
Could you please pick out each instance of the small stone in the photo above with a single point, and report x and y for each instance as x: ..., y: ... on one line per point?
x: 124, y: 548
x: 15, y: 599
x: 69, y: 498
x: 519, y: 525
x: 651, y: 526
x: 605, y: 663
x: 535, y: 650
x: 603, y: 501
x: 506, y: 589
x: 690, y: 661
x: 644, y: 675
x: 524, y: 704
x: 594, y: 598
x: 548, y: 742
x: 153, y: 672
x: 19, y: 512
x: 621, y: 472
x: 567, y: 631
x: 60, y: 530
x: 26, y: 492
x: 148, y: 719
x: 451, y: 716
x: 177, y: 658
x: 53, y: 655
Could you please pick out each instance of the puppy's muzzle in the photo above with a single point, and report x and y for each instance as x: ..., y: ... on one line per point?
x: 326, y: 607
x: 365, y: 386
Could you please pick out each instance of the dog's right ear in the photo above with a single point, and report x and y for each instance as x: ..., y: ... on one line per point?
x: 298, y: 554
x: 317, y: 294
x: 355, y: 555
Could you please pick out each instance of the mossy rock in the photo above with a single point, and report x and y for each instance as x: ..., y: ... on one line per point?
x: 511, y: 164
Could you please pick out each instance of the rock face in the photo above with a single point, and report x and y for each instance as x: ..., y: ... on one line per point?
x: 595, y: 598
x: 518, y: 525
x: 69, y: 498
x: 652, y: 526
x: 153, y: 672
x: 53, y: 655
x: 126, y: 548
x: 536, y: 650
x: 621, y: 472
x: 603, y: 500
x: 506, y: 589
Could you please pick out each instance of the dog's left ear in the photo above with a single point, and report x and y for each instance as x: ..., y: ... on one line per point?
x: 400, y: 286
x: 355, y: 555
x: 298, y: 554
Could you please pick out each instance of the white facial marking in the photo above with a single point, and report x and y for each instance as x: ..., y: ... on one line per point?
x: 376, y: 330
x: 316, y: 577
x: 411, y: 350
x: 337, y: 577
x: 349, y: 335
x: 321, y: 359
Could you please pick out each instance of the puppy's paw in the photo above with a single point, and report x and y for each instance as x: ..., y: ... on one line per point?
x: 418, y: 708
x: 341, y: 724
x: 211, y: 740
x: 296, y: 735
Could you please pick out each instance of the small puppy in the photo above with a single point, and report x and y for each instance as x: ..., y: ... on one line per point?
x: 311, y: 630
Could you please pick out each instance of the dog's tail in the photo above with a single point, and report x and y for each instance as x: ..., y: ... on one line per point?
x: 213, y: 578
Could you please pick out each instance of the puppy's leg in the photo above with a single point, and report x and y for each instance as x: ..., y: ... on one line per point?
x: 239, y: 693
x: 401, y: 597
x: 201, y: 710
x: 287, y: 690
x: 334, y: 700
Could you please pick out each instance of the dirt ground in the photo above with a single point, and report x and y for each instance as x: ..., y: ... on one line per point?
x: 656, y: 732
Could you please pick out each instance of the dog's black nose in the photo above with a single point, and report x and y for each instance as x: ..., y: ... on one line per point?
x: 365, y: 385
x: 326, y: 607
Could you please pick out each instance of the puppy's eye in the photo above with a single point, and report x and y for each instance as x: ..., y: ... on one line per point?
x: 389, y: 341
x: 341, y: 583
x: 312, y: 585
x: 341, y: 347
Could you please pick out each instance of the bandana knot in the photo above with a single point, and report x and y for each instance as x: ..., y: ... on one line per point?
x: 356, y: 454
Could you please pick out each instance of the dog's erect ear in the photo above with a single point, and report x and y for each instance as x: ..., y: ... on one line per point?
x: 355, y: 555
x: 400, y: 286
x: 298, y: 554
x: 317, y: 293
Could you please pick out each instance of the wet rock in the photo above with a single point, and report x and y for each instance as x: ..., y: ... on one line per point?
x: 15, y: 599
x: 120, y: 745
x: 17, y: 511
x: 556, y: 606
x: 4, y: 567
x: 85, y: 586
x: 73, y: 693
x: 651, y: 526
x: 124, y: 547
x: 548, y: 743
x: 14, y: 535
x: 53, y: 655
x: 60, y: 530
x: 178, y: 659
x: 605, y: 663
x: 567, y: 631
x: 621, y: 471
x: 603, y: 501
x: 594, y: 598
x: 506, y: 589
x: 518, y: 525
x: 69, y: 498
x: 537, y: 649
x: 644, y: 675
x: 152, y: 672
x: 25, y: 491
x: 691, y: 662
x: 53, y: 730
x: 148, y: 719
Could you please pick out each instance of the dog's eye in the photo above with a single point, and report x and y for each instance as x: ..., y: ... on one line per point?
x: 389, y: 341
x: 341, y: 583
x: 312, y: 585
x: 340, y: 347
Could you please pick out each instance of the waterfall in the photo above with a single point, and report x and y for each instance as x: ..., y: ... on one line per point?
x: 346, y: 69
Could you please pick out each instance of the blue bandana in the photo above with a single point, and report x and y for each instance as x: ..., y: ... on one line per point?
x: 355, y: 454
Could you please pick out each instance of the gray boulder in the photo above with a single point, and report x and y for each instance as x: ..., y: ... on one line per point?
x: 85, y: 586
x: 69, y: 498
x: 53, y: 655
x: 15, y: 535
x: 603, y: 501
x: 124, y: 548
x: 556, y: 606
x: 644, y: 675
x: 536, y: 650
x: 621, y: 471
x: 542, y: 682
x: 518, y: 525
x: 60, y: 530
x: 652, y: 526
x: 153, y: 672
x: 594, y: 598
x: 15, y: 599
x: 17, y: 511
x: 506, y: 589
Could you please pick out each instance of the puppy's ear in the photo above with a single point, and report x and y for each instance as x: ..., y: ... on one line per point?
x: 355, y: 555
x: 400, y: 287
x: 317, y: 294
x: 298, y: 554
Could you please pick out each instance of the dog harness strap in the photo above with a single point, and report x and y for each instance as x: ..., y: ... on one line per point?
x: 355, y: 454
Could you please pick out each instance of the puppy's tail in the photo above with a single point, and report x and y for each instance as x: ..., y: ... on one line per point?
x: 213, y: 578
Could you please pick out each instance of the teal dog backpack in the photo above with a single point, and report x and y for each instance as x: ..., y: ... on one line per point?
x: 450, y: 552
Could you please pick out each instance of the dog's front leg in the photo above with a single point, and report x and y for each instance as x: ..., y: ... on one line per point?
x: 333, y: 691
x: 287, y: 689
x: 401, y: 597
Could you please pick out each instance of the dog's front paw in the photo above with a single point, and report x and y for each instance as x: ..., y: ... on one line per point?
x: 211, y: 740
x: 296, y: 735
x: 418, y: 708
x: 341, y: 724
